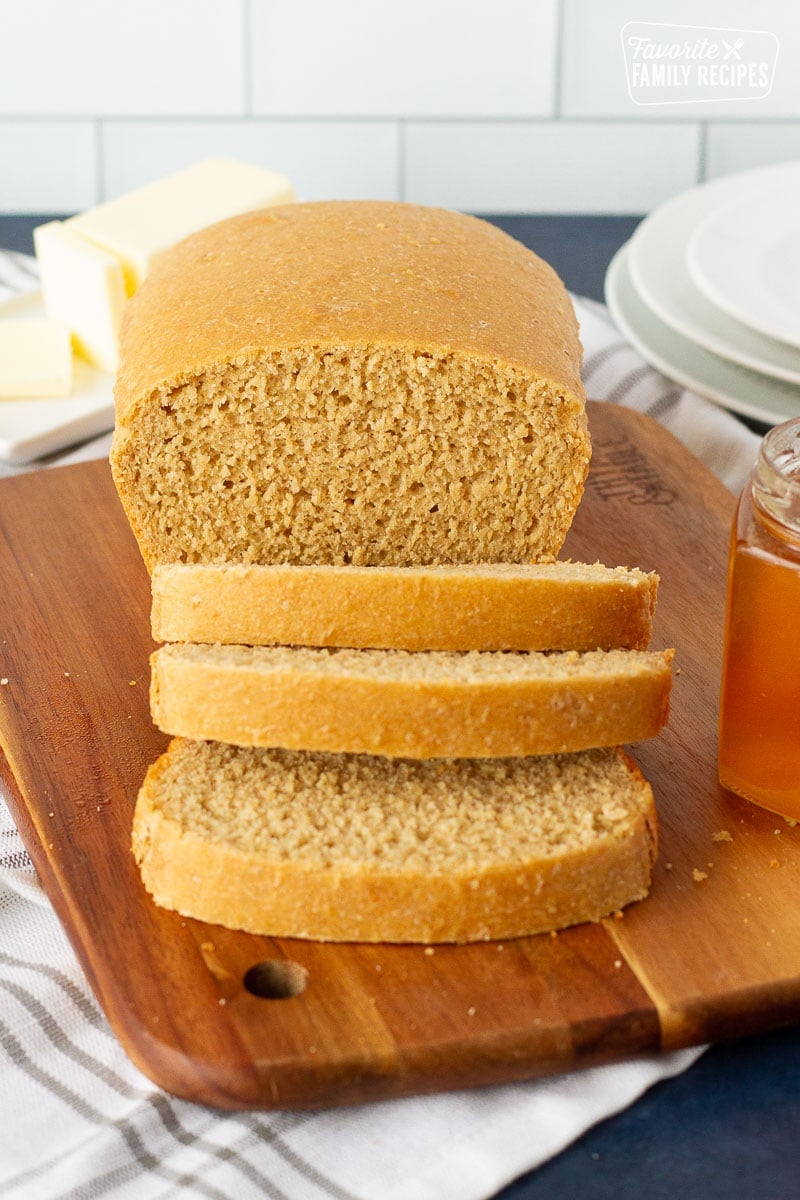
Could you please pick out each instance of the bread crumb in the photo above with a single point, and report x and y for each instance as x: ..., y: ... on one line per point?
x: 131, y: 683
x: 429, y: 950
x: 773, y: 862
x: 4, y: 681
x: 222, y: 1000
x: 619, y: 914
x: 499, y: 948
x: 698, y: 876
x: 378, y: 967
x: 722, y: 835
x: 553, y: 933
x: 618, y: 963
x: 667, y: 866
x: 471, y: 1012
x: 66, y: 674
x: 790, y: 821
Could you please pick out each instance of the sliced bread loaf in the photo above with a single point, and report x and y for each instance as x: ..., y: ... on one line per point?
x: 424, y: 705
x: 355, y: 848
x: 350, y: 382
x: 501, y: 606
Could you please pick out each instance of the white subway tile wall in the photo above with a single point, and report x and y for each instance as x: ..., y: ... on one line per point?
x: 593, y: 78
x: 420, y: 58
x: 555, y: 166
x: 737, y: 146
x: 44, y: 162
x: 96, y: 58
x: 343, y: 159
x: 513, y: 106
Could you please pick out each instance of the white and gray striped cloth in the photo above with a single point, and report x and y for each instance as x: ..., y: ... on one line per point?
x: 77, y: 1119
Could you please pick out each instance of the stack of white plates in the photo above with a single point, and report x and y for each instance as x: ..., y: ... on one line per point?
x: 708, y: 291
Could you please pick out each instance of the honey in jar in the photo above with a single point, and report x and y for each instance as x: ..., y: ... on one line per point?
x: 759, y: 749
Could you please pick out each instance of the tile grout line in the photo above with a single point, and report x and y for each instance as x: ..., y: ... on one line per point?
x: 99, y: 161
x: 382, y: 118
x: 402, y: 128
x: 702, y: 156
x: 558, y: 68
x: 247, y: 62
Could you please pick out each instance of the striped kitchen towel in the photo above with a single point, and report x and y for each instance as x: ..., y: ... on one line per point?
x: 78, y: 1121
x: 18, y: 273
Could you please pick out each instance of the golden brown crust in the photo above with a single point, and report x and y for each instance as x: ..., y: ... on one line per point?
x: 240, y: 287
x: 561, y: 606
x: 254, y: 892
x: 303, y: 700
x: 350, y: 382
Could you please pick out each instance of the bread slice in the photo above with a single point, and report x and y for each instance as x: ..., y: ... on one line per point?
x: 350, y: 382
x: 424, y: 705
x: 356, y: 848
x: 498, y: 606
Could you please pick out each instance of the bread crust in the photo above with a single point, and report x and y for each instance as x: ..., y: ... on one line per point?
x: 217, y: 882
x: 350, y: 382
x: 329, y: 273
x: 282, y: 699
x: 560, y: 606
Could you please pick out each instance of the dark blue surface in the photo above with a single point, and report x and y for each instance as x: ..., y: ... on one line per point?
x: 579, y: 248
x: 729, y: 1128
x: 16, y: 230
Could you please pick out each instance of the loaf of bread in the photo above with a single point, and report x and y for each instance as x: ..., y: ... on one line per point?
x: 354, y: 848
x: 420, y: 705
x: 350, y: 440
x: 547, y: 606
x: 350, y: 382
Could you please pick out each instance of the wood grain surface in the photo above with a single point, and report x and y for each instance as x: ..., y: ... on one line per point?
x: 713, y: 952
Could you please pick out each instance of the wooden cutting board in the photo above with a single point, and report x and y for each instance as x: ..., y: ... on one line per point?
x: 713, y: 952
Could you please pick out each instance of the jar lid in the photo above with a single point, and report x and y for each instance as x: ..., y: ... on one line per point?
x: 776, y: 478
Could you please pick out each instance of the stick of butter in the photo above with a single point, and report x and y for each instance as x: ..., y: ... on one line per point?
x: 35, y: 357
x: 143, y: 224
x: 83, y: 286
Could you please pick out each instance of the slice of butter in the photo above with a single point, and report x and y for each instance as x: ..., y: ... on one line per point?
x: 35, y: 357
x: 141, y: 225
x: 83, y: 286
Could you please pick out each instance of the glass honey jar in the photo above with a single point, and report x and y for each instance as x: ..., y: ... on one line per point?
x: 759, y: 746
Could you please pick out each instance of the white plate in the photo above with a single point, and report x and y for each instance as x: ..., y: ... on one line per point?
x: 744, y: 392
x: 659, y: 270
x: 746, y: 259
x: 30, y: 429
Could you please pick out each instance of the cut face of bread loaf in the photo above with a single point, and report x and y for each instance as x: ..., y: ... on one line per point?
x: 350, y: 382
x: 353, y: 848
x: 547, y: 606
x: 426, y: 705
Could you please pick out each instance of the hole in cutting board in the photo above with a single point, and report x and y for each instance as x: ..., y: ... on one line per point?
x: 276, y: 979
